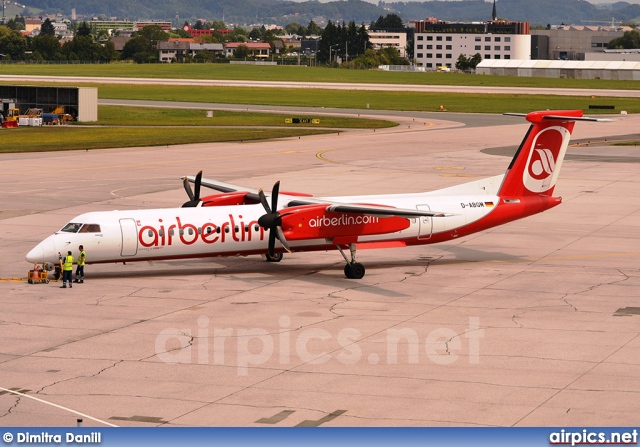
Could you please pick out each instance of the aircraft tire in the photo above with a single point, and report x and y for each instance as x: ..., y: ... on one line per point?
x: 354, y: 271
x: 277, y: 257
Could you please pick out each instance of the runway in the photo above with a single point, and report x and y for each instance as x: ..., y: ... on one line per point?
x: 536, y: 323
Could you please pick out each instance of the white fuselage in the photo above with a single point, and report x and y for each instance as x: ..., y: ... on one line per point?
x: 172, y: 233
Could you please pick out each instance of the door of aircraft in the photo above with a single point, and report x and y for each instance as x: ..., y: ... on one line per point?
x: 426, y: 224
x: 129, y: 237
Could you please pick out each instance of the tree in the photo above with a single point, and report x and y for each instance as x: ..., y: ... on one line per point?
x: 295, y: 28
x: 629, y: 40
x: 47, y: 28
x: 239, y: 34
x: 135, y: 47
x: 84, y: 30
x: 462, y: 63
x: 12, y: 24
x: 12, y: 44
x: 257, y: 33
x: 313, y: 29
x: 179, y: 32
x: 109, y: 52
x: 475, y: 60
x: 390, y: 21
x: 241, y: 52
x: 218, y: 25
x: 410, y: 48
x: 143, y: 47
x: 330, y: 40
x: 391, y: 56
x: 47, y: 47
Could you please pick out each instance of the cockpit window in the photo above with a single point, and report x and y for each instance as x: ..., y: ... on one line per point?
x: 90, y: 228
x: 71, y: 227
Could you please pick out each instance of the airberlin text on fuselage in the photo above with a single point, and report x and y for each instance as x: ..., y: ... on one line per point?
x: 167, y: 233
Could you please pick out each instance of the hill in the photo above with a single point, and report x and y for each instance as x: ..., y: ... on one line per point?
x: 539, y: 12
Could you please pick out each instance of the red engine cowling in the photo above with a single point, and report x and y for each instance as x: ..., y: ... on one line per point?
x: 314, y: 221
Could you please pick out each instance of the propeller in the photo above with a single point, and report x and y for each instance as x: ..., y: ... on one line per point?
x: 194, y: 198
x: 272, y: 221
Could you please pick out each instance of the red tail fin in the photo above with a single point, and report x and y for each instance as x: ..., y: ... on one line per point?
x: 535, y: 168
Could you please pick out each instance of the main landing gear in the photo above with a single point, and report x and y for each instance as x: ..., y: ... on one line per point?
x: 276, y: 257
x: 353, y: 269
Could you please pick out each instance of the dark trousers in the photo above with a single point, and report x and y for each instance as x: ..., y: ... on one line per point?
x: 80, y: 272
x: 67, y: 276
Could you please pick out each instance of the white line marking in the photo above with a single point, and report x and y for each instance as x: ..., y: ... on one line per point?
x: 58, y: 406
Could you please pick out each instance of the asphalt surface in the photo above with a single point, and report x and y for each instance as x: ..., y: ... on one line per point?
x: 531, y: 324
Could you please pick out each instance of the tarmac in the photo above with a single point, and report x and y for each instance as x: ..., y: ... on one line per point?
x: 535, y: 323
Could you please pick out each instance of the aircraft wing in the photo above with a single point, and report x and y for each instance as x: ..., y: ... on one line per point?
x: 221, y: 186
x: 225, y: 187
x: 337, y: 207
x: 382, y: 211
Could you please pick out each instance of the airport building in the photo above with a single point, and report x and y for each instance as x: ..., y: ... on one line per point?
x: 439, y: 43
x: 389, y: 38
x: 80, y: 102
x: 111, y: 26
x: 572, y: 42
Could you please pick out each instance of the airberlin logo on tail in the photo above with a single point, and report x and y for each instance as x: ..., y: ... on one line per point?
x: 542, y: 165
x: 545, y: 159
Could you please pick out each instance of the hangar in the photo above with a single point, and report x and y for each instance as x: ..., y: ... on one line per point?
x: 80, y: 102
x: 610, y: 70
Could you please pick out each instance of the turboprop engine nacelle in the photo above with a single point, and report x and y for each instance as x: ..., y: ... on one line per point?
x: 314, y: 221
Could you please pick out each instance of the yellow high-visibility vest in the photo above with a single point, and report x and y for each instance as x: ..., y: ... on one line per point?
x: 68, y: 263
x: 82, y: 258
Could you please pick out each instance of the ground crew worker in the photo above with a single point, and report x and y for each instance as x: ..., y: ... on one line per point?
x: 82, y: 257
x: 67, y: 270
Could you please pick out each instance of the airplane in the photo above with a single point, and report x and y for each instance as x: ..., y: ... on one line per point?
x: 238, y: 221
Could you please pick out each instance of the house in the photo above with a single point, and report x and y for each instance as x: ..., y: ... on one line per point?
x: 260, y: 50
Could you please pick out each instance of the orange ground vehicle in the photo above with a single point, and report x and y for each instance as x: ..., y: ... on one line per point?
x: 38, y: 275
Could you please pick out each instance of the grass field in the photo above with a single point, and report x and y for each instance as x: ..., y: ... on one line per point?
x: 146, y: 116
x: 377, y: 100
x: 300, y: 74
x: 142, y: 126
x: 63, y: 138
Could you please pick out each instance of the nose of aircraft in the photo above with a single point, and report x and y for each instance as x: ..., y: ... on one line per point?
x: 36, y: 254
x: 45, y: 251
